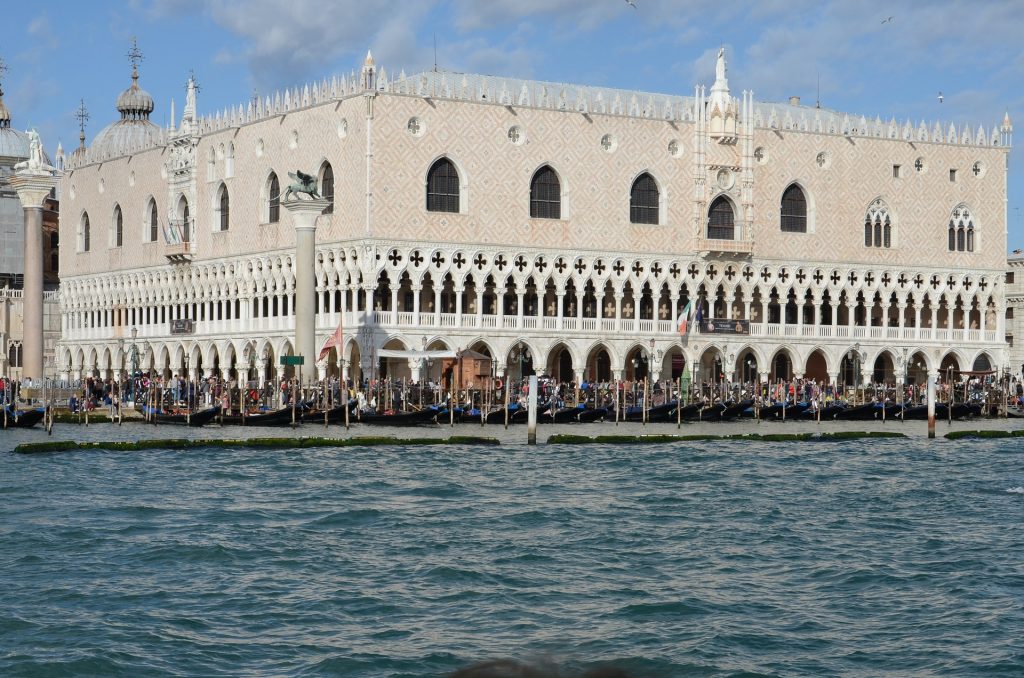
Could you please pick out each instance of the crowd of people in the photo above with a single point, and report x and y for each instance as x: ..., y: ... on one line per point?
x: 178, y: 393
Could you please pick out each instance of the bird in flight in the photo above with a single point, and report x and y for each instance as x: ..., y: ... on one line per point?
x: 631, y: 3
x: 887, y: 20
x: 940, y: 97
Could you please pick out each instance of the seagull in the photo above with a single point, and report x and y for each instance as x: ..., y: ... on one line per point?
x: 631, y: 3
x: 940, y: 97
x: 887, y: 20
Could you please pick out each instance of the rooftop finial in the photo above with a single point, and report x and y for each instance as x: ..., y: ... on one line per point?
x: 5, y: 115
x: 135, y: 57
x: 82, y: 114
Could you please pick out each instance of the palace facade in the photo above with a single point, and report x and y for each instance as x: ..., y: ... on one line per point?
x: 557, y: 228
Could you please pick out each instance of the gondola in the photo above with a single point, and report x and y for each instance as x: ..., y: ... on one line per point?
x: 659, y: 413
x: 22, y: 418
x: 428, y: 416
x: 335, y: 415
x: 733, y: 410
x: 827, y: 412
x: 865, y: 412
x: 783, y: 411
x: 195, y: 420
x: 593, y: 414
x: 281, y: 417
x: 692, y: 412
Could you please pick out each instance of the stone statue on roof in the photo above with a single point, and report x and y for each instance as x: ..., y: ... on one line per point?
x: 720, y: 66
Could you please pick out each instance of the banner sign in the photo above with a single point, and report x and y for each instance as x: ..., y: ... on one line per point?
x: 182, y: 326
x: 725, y: 326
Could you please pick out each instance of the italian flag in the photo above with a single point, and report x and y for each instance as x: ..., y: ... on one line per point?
x: 684, y: 319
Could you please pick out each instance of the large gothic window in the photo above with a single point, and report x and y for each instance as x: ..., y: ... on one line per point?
x: 327, y: 186
x: 154, y: 227
x: 643, y: 200
x: 721, y: 220
x: 224, y: 208
x: 545, y: 195
x: 961, y: 230
x: 878, y: 226
x: 186, y: 222
x: 443, y: 187
x: 794, y: 210
x: 273, y: 199
x: 118, y: 227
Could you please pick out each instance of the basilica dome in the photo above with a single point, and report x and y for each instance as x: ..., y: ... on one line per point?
x: 13, y: 142
x: 133, y: 130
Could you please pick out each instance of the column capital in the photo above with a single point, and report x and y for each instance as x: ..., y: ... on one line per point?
x: 305, y: 212
x: 33, y: 187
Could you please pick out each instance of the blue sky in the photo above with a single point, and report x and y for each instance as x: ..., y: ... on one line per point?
x: 61, y: 52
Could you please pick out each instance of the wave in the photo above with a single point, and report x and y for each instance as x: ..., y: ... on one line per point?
x: 1016, y: 490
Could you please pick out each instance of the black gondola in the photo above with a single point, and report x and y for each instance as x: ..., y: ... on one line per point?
x: 281, y: 417
x: 593, y: 414
x: 425, y: 417
x: 335, y: 415
x: 195, y: 420
x: 734, y: 410
x: 22, y: 418
x: 865, y: 412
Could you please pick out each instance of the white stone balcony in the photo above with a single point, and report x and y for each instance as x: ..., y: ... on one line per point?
x: 481, y: 324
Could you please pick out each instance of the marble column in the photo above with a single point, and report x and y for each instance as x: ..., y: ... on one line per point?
x: 33, y: 185
x: 304, y: 214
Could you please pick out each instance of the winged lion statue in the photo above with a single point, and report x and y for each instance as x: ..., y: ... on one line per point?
x: 302, y: 183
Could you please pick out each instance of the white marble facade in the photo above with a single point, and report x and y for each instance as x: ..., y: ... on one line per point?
x: 181, y: 224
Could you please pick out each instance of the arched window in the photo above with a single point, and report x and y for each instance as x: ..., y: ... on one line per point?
x: 185, y: 222
x: 794, y: 210
x: 229, y: 161
x: 878, y: 225
x: 118, y: 227
x: 721, y: 220
x: 224, y: 208
x: 961, y: 223
x: 545, y: 195
x: 643, y: 200
x: 327, y: 187
x: 443, y: 187
x: 273, y: 199
x: 83, y: 233
x: 154, y: 223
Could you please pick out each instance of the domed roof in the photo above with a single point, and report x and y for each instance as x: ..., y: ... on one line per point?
x: 133, y: 130
x: 118, y: 137
x: 13, y: 143
x: 135, y: 102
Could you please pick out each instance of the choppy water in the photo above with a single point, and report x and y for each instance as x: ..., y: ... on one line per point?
x: 704, y: 560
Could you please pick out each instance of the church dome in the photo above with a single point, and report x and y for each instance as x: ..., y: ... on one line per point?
x: 13, y: 143
x: 135, y: 103
x: 133, y: 130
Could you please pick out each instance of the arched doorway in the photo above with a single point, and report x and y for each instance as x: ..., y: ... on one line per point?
x: 747, y: 367
x: 637, y: 366
x: 781, y: 367
x: 883, y: 371
x: 817, y: 367
x: 982, y: 363
x: 949, y: 369
x: 519, y: 363
x: 599, y: 364
x: 917, y: 369
x: 560, y: 364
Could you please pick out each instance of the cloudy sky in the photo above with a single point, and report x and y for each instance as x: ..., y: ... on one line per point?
x: 60, y: 52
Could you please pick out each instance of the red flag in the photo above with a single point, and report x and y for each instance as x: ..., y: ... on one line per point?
x: 335, y: 340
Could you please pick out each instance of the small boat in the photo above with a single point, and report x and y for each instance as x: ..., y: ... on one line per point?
x: 280, y: 417
x: 658, y: 413
x: 865, y: 412
x: 733, y: 410
x: 335, y: 415
x: 196, y: 419
x: 498, y: 416
x: 594, y: 414
x: 783, y: 411
x: 22, y: 418
x: 428, y: 416
x: 692, y: 412
x: 825, y: 413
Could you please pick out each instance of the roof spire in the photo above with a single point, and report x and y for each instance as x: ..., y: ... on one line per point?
x: 82, y: 114
x: 5, y: 115
x: 135, y: 57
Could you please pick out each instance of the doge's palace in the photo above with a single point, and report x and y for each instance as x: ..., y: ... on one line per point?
x: 559, y: 228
